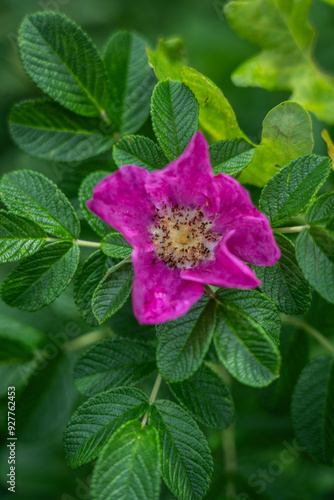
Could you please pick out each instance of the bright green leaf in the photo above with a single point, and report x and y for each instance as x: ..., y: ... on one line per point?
x: 168, y: 58
x: 230, y: 157
x: 115, y: 246
x: 85, y: 194
x: 139, y: 150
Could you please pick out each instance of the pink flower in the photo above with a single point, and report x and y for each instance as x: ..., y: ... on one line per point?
x: 188, y: 228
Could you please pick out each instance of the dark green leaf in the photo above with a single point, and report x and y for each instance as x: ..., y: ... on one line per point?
x: 174, y: 112
x: 115, y: 246
x: 85, y: 194
x: 139, y: 150
x: 18, y: 340
x: 230, y: 157
x: 321, y: 212
x: 41, y: 278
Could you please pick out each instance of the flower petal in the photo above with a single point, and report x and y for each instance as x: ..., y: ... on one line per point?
x: 225, y: 270
x: 122, y: 201
x: 159, y: 294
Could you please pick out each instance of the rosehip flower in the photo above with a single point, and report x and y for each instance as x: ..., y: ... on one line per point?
x: 188, y: 228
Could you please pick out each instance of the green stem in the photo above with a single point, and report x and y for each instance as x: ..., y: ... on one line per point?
x: 88, y: 339
x: 154, y: 393
x: 309, y: 329
x: 292, y: 229
x: 81, y: 243
x: 105, y: 117
x: 230, y: 460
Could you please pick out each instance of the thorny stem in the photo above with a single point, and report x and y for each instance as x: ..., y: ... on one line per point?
x: 81, y: 243
x: 292, y: 229
x: 154, y: 393
x: 309, y: 329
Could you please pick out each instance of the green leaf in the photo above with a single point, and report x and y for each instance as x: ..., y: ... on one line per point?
x: 41, y: 278
x: 129, y: 465
x: 112, y: 292
x: 19, y: 237
x: 186, y: 458
x: 184, y: 342
x: 286, y: 62
x: 315, y: 255
x: 115, y: 246
x: 207, y: 398
x: 230, y: 157
x: 168, y: 58
x: 45, y: 130
x: 94, y: 422
x: 216, y: 116
x: 291, y: 190
x: 18, y: 340
x: 313, y: 407
x: 139, y: 150
x: 284, y: 282
x: 321, y: 212
x: 174, y: 112
x: 245, y: 349
x: 33, y: 195
x: 286, y: 134
x: 85, y: 194
x: 60, y: 58
x: 86, y: 282
x: 131, y: 81
x: 113, y: 363
x: 255, y: 305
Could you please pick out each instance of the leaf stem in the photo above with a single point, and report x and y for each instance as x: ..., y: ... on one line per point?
x: 81, y: 243
x: 88, y: 339
x: 309, y: 329
x: 292, y: 229
x: 153, y: 395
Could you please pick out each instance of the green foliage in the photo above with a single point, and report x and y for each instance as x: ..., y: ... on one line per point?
x: 174, y: 112
x: 284, y: 282
x: 168, y: 58
x: 131, y: 81
x: 113, y: 363
x: 186, y: 458
x: 207, y: 398
x: 91, y: 426
x: 60, y: 58
x: 312, y: 409
x: 114, y: 245
x: 19, y: 237
x: 139, y: 150
x: 85, y: 194
x: 129, y: 465
x: 321, y: 212
x: 184, y: 342
x: 230, y: 157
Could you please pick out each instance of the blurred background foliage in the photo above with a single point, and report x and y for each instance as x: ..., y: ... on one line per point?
x: 263, y: 429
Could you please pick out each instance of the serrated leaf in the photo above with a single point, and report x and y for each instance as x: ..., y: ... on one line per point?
x: 18, y: 340
x: 174, y: 112
x: 113, y: 363
x: 255, y: 305
x: 186, y: 458
x: 286, y: 135
x: 139, y: 150
x: 45, y: 130
x: 85, y: 194
x: 19, y: 237
x: 321, y: 212
x: 207, y: 398
x: 230, y: 157
x: 33, y: 195
x: 40, y: 279
x: 112, y: 292
x: 131, y: 81
x: 94, y: 422
x: 313, y: 407
x: 184, y: 342
x: 115, y: 246
x: 86, y: 282
x: 216, y: 116
x: 315, y: 255
x: 245, y: 349
x: 168, y: 58
x: 61, y: 59
x: 291, y: 190
x: 129, y: 465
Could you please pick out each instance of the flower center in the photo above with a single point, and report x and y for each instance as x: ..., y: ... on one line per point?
x: 183, y: 237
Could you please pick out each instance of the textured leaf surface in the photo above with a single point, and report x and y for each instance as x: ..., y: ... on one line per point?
x: 112, y: 292
x: 115, y: 246
x: 321, y: 212
x: 33, y: 195
x: 291, y: 190
x: 286, y: 134
x: 168, y: 58
x: 312, y: 409
x: 85, y: 194
x: 131, y: 81
x: 113, y: 363
x: 129, y: 465
x: 284, y: 282
x: 174, y: 112
x: 44, y: 129
x: 230, y: 157
x: 186, y: 457
x: 19, y: 237
x: 206, y: 396
x: 41, y: 278
x: 93, y: 423
x: 60, y: 58
x: 184, y: 342
x: 139, y: 150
